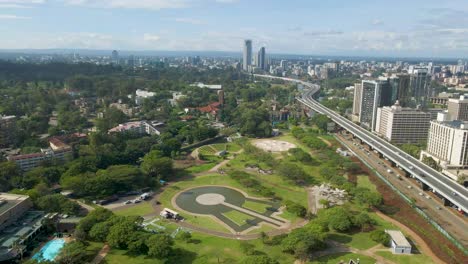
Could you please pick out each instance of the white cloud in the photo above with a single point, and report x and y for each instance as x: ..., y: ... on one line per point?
x: 188, y: 20
x: 227, y: 1
x: 151, y: 37
x: 20, y: 3
x: 3, y: 16
x: 377, y: 22
x: 134, y: 4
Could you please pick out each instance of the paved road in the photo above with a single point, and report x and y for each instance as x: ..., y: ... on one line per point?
x: 446, y: 217
x: 451, y: 190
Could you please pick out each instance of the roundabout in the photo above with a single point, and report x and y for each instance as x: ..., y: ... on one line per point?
x: 230, y: 207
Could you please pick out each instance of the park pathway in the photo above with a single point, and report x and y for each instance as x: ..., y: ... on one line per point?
x: 101, y: 255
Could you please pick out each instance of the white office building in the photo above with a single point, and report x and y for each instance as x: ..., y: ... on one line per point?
x: 401, y: 125
x: 448, y: 143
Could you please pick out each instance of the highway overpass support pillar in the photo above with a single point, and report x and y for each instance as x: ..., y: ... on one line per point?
x: 424, y: 186
x: 446, y: 202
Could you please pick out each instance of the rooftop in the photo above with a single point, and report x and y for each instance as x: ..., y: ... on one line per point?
x: 456, y: 124
x: 10, y: 200
x: 398, y: 237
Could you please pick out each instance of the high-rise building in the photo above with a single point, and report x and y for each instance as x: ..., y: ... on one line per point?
x: 402, y: 125
x: 247, y: 56
x: 370, y: 97
x: 115, y: 57
x: 131, y: 61
x: 458, y: 108
x: 261, y: 60
x: 401, y: 83
x: 420, y: 85
x: 357, y: 101
x: 7, y: 130
x: 283, y: 64
x: 447, y: 143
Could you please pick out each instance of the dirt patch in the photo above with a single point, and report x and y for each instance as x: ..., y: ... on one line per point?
x: 395, y: 207
x: 273, y: 145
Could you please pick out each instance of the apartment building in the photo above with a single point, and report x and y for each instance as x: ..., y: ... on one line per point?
x: 458, y: 108
x: 139, y: 127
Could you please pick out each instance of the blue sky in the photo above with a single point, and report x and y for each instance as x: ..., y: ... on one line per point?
x: 330, y: 27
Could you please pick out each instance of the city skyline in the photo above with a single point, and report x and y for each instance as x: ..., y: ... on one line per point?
x: 360, y: 28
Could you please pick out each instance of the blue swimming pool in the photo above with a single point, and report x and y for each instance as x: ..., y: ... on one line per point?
x: 50, y: 250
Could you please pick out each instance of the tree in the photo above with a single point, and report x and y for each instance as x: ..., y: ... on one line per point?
x: 363, y: 221
x: 159, y: 246
x: 72, y: 253
x: 292, y: 172
x: 96, y: 216
x: 338, y: 219
x: 321, y: 121
x: 302, y: 241
x: 295, y: 208
x: 184, y: 236
x: 8, y: 171
x: 262, y: 259
x: 155, y: 165
x: 380, y: 236
x: 122, y: 228
x: 99, y: 231
x: 59, y: 204
x: 247, y: 248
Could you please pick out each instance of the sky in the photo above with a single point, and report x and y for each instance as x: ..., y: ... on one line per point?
x: 416, y: 28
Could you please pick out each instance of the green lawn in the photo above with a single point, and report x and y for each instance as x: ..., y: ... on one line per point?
x: 201, y: 168
x: 238, y: 217
x: 359, y: 240
x: 257, y: 207
x: 204, y: 250
x: 405, y: 259
x: 336, y: 258
x: 363, y: 181
x: 141, y: 209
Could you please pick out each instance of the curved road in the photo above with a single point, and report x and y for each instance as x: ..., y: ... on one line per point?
x: 450, y: 190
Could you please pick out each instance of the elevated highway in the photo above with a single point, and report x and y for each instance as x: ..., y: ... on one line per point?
x: 452, y: 192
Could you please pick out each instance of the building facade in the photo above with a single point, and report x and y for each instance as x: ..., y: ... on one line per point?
x: 7, y: 130
x: 261, y: 58
x: 247, y: 55
x: 458, y: 108
x: 402, y: 125
x: 369, y: 102
x: 448, y: 143
x: 58, y: 151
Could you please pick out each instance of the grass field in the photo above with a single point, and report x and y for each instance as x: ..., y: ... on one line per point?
x: 405, y: 259
x: 363, y: 181
x: 204, y: 250
x: 238, y: 217
x: 257, y: 207
x: 359, y: 240
x: 345, y: 257
x: 201, y: 168
x: 141, y: 209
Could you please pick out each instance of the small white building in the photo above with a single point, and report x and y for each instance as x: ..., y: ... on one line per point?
x: 399, y: 243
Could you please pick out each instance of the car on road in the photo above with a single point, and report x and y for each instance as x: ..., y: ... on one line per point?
x: 454, y: 194
x: 411, y: 167
x: 127, y: 202
x: 390, y: 171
